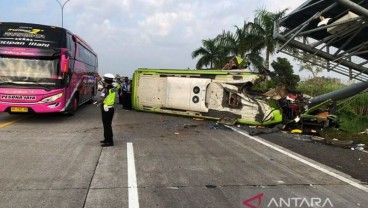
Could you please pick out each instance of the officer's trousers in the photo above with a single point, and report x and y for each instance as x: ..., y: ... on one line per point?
x: 107, y: 122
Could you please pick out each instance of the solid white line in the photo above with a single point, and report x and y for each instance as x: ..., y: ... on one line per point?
x: 274, y: 147
x: 132, y: 178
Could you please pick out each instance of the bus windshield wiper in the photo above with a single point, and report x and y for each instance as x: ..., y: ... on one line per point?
x: 10, y: 82
x: 43, y: 86
x: 25, y: 83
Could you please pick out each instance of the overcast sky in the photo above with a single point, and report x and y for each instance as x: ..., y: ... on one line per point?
x: 131, y: 34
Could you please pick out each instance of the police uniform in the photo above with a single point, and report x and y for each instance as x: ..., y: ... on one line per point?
x: 107, y: 101
x: 124, y: 89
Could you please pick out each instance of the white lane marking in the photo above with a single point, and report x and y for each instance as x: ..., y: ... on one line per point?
x: 132, y: 178
x: 274, y: 147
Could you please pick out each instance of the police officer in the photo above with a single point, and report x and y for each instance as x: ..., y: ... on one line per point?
x: 119, y: 91
x: 106, y: 102
x: 125, y: 88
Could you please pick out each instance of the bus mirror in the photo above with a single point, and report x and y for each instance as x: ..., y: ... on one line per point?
x: 64, y: 67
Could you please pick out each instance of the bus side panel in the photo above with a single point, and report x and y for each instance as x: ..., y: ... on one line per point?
x: 83, y: 82
x: 151, y: 91
x: 186, y: 93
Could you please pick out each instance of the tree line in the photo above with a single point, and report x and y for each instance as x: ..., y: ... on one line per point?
x: 247, y: 42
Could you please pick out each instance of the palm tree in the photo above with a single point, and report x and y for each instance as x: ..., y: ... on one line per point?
x: 227, y: 47
x: 247, y: 42
x: 262, y: 28
x: 242, y: 43
x: 209, y: 52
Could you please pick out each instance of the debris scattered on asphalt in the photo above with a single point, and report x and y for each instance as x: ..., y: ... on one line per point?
x: 227, y: 121
x: 263, y: 130
x: 340, y: 143
x: 364, y: 132
x: 359, y: 147
x: 296, y: 131
x: 306, y: 138
x: 186, y: 126
x: 220, y: 127
x: 318, y: 138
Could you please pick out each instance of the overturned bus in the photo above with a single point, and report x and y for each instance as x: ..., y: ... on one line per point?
x: 210, y: 94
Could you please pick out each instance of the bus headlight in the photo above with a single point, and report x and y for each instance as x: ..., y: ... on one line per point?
x: 51, y: 98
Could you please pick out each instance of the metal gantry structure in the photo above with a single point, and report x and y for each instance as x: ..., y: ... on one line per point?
x: 332, y: 34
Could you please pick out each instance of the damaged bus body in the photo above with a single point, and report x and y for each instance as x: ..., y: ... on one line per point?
x: 211, y: 94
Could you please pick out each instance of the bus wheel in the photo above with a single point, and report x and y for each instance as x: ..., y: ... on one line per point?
x: 73, y: 105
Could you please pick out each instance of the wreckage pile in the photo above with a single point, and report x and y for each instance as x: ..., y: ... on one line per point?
x: 313, y: 119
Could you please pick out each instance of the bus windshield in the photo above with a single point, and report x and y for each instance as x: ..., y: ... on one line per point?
x: 29, y: 71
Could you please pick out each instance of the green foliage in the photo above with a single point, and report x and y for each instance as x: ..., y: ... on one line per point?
x: 359, y: 104
x: 264, y: 86
x: 247, y: 42
x: 352, y: 112
x: 351, y: 122
x: 332, y: 133
x: 211, y: 54
x: 263, y: 27
x: 319, y: 85
x: 310, y: 66
x: 283, y: 74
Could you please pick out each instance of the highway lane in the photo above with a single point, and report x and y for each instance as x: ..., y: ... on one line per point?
x: 6, y: 120
x: 56, y: 161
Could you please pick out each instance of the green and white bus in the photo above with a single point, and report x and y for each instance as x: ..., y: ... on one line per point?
x: 210, y: 94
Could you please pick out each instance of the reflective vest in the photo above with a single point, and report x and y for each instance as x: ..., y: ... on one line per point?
x: 241, y: 62
x: 110, y: 98
x: 118, y: 86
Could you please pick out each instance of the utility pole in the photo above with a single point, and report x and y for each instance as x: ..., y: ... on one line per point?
x: 62, y: 11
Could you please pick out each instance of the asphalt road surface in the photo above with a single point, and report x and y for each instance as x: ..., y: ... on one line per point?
x: 167, y: 161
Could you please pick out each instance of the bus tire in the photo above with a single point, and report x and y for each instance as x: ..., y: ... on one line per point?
x: 73, y: 106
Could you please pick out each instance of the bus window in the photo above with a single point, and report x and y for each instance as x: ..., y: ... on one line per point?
x: 71, y: 45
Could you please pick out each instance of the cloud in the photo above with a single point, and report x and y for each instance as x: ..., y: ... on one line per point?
x: 160, y: 24
x: 278, y: 5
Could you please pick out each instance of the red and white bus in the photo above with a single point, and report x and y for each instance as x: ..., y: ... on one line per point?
x: 44, y: 69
